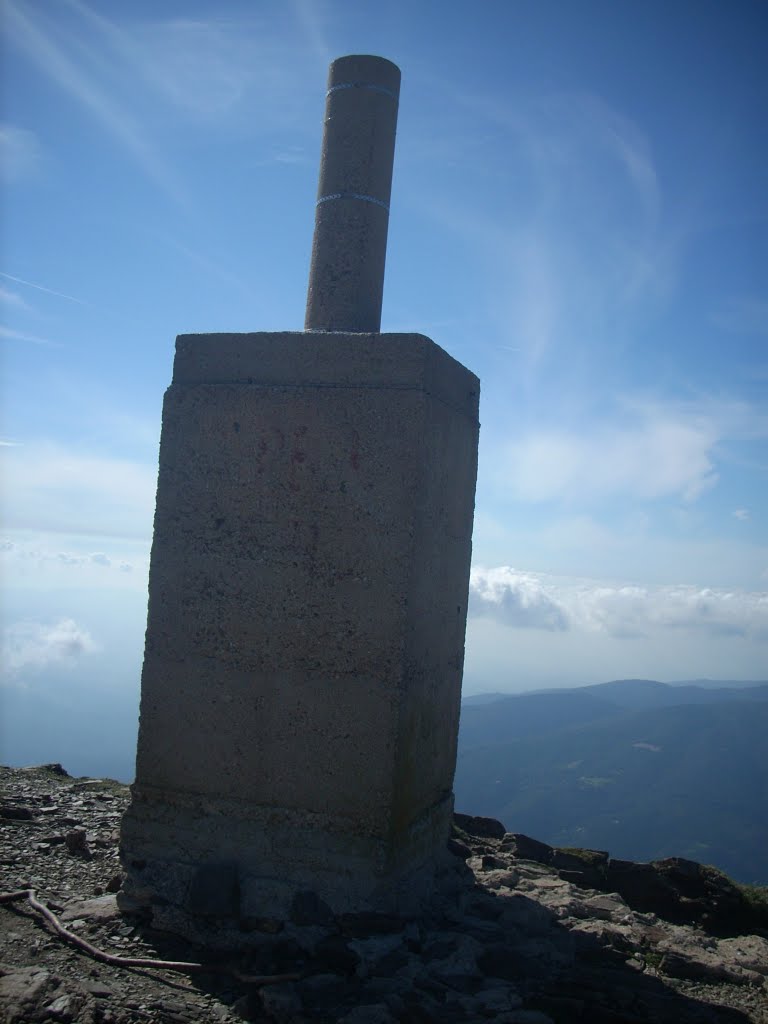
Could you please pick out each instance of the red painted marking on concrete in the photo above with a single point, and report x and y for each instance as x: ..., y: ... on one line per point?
x: 354, y: 455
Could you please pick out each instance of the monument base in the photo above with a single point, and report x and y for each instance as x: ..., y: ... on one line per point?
x: 207, y: 866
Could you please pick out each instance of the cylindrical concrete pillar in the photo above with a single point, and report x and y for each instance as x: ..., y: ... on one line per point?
x: 346, y: 278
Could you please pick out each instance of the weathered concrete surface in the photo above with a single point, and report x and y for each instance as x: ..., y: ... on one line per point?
x: 346, y: 279
x: 305, y: 639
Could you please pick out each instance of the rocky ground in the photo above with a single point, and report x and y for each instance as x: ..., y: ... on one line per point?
x: 522, y: 934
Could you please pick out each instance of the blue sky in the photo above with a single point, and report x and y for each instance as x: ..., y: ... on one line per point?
x: 578, y: 215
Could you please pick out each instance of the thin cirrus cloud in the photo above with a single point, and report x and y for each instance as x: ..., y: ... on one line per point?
x: 210, y: 68
x: 308, y: 16
x: 38, y: 287
x: 36, y: 645
x: 12, y: 299
x: 11, y: 334
x: 196, y: 64
x: 665, y: 454
x: 59, y: 489
x: 78, y: 70
x: 536, y: 601
x: 742, y: 315
x: 578, y: 241
x: 20, y: 154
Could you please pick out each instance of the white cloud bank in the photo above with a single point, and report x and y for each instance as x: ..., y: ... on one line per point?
x: 515, y: 598
x: 36, y: 645
x: 39, y: 564
x: 535, y: 601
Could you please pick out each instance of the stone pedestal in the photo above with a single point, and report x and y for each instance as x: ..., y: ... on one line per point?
x: 305, y: 640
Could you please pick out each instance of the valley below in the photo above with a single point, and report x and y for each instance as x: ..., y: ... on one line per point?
x: 642, y: 769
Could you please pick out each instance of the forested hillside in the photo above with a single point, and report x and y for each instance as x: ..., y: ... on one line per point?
x: 638, y: 768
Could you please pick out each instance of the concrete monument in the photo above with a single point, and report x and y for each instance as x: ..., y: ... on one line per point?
x: 308, y: 587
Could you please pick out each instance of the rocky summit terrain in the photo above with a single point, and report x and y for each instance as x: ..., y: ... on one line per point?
x: 521, y: 933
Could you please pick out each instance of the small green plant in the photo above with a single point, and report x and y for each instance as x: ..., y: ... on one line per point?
x: 652, y: 959
x: 592, y: 857
x: 756, y: 898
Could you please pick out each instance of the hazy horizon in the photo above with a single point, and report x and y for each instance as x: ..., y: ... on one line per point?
x: 103, y: 743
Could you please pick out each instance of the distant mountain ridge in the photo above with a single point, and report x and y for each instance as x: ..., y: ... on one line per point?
x: 646, y: 693
x: 641, y: 768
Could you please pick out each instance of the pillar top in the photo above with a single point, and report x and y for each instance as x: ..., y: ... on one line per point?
x: 364, y: 70
x: 346, y: 278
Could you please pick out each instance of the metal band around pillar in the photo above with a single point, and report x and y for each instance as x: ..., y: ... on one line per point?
x: 353, y: 195
x: 362, y: 85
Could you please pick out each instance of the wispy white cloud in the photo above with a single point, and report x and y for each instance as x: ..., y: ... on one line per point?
x: 625, y: 143
x: 13, y: 335
x: 741, y: 513
x: 205, y: 263
x: 13, y: 299
x: 533, y: 265
x: 197, y: 64
x: 639, y: 447
x: 214, y: 67
x: 51, y: 487
x: 633, y: 541
x: 743, y: 316
x: 78, y: 71
x: 42, y: 288
x: 71, y: 559
x: 290, y: 155
x: 309, y: 16
x: 38, y: 560
x: 37, y: 645
x: 654, y: 453
x: 20, y: 154
x: 537, y: 601
x: 574, y: 236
